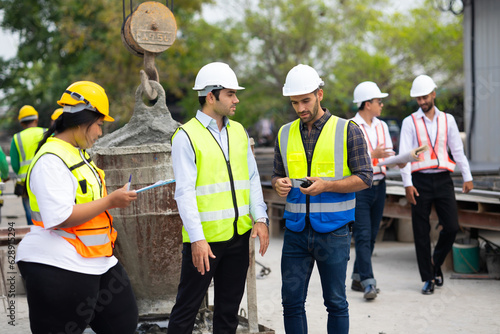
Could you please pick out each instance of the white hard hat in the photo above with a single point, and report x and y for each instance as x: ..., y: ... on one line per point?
x: 302, y: 79
x: 215, y: 76
x: 422, y: 85
x: 366, y: 91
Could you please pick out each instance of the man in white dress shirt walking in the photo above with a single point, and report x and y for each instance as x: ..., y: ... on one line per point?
x: 429, y: 182
x: 370, y: 202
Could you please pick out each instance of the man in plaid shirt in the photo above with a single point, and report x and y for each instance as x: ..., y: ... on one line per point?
x: 320, y: 162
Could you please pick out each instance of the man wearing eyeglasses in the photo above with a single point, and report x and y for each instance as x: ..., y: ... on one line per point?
x: 370, y: 201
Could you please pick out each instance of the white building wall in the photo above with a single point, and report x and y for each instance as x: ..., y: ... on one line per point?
x: 484, y: 135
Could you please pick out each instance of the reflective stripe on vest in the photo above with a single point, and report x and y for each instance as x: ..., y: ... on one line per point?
x: 327, y: 211
x: 222, y: 188
x: 96, y: 237
x: 321, y: 207
x: 379, y: 129
x: 88, y: 240
x: 437, y: 156
x: 26, y: 143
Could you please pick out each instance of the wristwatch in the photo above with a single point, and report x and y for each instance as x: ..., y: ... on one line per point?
x: 263, y: 220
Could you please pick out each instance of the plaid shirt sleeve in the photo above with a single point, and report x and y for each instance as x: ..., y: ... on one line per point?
x: 279, y: 168
x: 357, y: 154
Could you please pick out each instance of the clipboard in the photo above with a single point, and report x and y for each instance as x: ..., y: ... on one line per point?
x: 156, y: 184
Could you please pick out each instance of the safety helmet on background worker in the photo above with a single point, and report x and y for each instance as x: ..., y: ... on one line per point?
x: 301, y: 79
x: 422, y: 86
x: 215, y: 75
x: 367, y: 91
x: 85, y: 95
x: 27, y: 113
x: 55, y: 115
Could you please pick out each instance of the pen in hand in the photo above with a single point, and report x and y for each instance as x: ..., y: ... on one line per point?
x: 129, y: 181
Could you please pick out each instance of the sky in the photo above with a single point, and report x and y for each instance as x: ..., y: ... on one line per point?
x: 8, y: 42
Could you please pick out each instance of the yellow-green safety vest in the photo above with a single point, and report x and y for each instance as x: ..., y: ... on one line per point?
x: 26, y: 144
x: 222, y: 187
x: 96, y: 237
x: 327, y: 211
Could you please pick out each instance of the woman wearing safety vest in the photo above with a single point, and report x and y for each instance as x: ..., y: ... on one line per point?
x: 72, y: 278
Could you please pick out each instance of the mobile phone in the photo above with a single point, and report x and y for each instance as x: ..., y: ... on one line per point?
x: 305, y: 183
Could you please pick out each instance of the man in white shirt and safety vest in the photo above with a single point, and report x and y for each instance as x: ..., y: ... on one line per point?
x: 22, y: 150
x: 429, y: 182
x: 370, y: 202
x: 217, y: 188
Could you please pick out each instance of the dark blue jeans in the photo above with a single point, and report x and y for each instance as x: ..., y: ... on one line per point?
x: 330, y: 251
x: 369, y: 210
x: 27, y: 209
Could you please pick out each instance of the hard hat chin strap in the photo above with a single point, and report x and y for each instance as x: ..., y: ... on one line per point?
x: 208, y: 89
x: 78, y: 107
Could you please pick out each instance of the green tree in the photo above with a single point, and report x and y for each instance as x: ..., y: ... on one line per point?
x: 347, y: 42
x: 65, y: 41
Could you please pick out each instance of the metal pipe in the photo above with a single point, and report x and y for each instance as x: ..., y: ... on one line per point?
x: 486, y: 193
x: 473, y: 79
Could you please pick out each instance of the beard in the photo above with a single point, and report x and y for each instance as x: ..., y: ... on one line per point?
x: 312, y: 114
x: 427, y: 106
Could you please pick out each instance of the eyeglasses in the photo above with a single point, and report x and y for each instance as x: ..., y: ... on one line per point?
x: 379, y: 101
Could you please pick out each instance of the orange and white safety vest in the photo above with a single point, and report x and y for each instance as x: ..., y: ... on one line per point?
x: 380, y: 141
x: 437, y: 157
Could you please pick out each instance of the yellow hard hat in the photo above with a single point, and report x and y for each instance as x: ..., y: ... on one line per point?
x: 27, y: 113
x: 55, y: 115
x: 85, y: 95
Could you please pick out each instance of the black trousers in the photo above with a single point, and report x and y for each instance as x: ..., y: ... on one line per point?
x: 229, y: 271
x: 434, y: 189
x: 62, y: 301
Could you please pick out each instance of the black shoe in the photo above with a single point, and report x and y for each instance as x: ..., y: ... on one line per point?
x: 370, y: 292
x: 428, y: 288
x: 439, y: 278
x: 356, y: 286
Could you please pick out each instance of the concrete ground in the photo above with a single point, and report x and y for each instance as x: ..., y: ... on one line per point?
x: 460, y: 306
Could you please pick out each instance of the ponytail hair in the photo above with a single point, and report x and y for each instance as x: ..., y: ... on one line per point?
x: 70, y: 120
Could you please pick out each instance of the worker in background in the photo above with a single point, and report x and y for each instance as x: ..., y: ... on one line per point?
x: 72, y: 277
x: 22, y: 150
x: 428, y: 182
x: 55, y: 115
x: 4, y: 176
x: 217, y: 188
x: 370, y: 202
x: 320, y: 161
x: 4, y: 167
